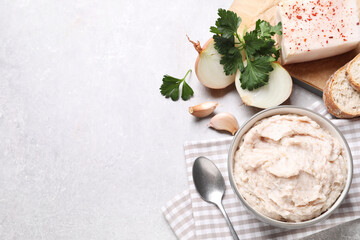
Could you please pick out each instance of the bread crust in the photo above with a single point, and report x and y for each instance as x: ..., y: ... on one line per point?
x: 330, y: 104
x: 351, y: 79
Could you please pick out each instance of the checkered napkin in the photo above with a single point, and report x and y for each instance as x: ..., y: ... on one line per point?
x: 192, y: 218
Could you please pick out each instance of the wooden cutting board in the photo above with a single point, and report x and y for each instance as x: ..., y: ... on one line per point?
x: 314, y: 73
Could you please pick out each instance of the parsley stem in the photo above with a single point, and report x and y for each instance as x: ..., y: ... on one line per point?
x: 238, y: 37
x: 187, y: 74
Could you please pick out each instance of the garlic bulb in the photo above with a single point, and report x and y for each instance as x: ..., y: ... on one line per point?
x: 204, y: 109
x: 224, y: 121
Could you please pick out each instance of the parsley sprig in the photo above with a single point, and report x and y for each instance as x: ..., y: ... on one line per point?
x: 171, y: 87
x: 257, y: 47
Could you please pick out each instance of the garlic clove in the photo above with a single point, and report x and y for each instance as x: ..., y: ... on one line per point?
x: 224, y: 121
x: 203, y: 109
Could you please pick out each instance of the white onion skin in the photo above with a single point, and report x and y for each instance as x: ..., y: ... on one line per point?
x: 208, y: 69
x: 277, y: 91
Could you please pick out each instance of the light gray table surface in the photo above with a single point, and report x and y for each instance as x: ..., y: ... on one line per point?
x: 89, y: 149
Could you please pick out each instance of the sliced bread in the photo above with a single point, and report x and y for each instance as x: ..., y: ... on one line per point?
x: 353, y: 72
x: 340, y: 98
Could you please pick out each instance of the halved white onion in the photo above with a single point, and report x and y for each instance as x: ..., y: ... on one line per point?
x: 273, y: 94
x: 209, y: 70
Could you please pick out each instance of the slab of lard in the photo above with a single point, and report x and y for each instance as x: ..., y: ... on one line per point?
x: 315, y: 29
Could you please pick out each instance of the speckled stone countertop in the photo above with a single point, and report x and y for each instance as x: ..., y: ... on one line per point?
x: 89, y: 149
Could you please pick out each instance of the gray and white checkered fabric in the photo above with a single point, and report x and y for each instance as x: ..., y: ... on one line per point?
x: 192, y: 218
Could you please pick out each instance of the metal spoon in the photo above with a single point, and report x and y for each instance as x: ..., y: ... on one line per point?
x: 211, y: 186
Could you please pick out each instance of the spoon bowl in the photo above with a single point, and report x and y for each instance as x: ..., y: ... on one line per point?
x: 210, y: 185
x: 208, y: 180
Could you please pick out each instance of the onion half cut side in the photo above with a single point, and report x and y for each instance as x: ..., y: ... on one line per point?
x: 209, y: 70
x: 273, y: 94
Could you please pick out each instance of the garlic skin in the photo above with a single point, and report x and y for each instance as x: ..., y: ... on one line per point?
x: 203, y: 109
x: 224, y: 121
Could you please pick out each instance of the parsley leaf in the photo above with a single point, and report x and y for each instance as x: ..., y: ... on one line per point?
x: 223, y: 45
x: 227, y: 23
x: 171, y: 88
x: 264, y: 29
x: 232, y: 61
x: 256, y: 72
x: 257, y: 47
x: 253, y: 43
x: 186, y: 92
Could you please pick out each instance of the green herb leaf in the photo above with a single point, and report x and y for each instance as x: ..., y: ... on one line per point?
x: 255, y: 74
x: 232, y: 61
x: 223, y: 45
x: 277, y: 29
x: 253, y: 43
x: 171, y: 88
x: 187, y: 91
x: 257, y: 46
x: 227, y: 23
x: 265, y: 30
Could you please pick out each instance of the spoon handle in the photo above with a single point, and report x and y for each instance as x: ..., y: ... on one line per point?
x: 222, y: 209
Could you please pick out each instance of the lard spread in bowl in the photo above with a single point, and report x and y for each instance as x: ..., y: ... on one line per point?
x: 289, y: 168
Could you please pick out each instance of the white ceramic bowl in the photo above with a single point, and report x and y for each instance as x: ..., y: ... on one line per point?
x: 325, y: 124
